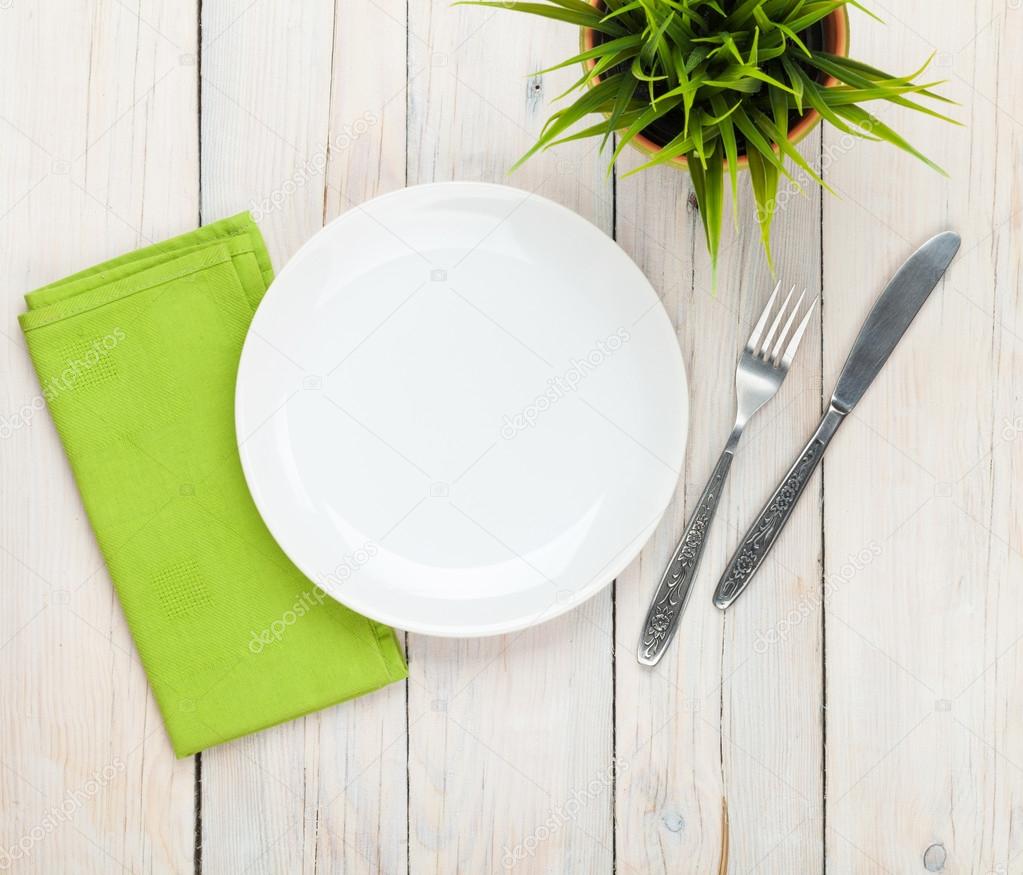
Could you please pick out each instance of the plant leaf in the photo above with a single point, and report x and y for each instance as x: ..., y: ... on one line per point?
x: 764, y: 181
x: 707, y: 185
x: 718, y: 80
x: 589, y: 18
x: 864, y: 120
x: 726, y: 129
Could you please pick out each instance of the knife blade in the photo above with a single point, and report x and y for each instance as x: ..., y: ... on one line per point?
x: 884, y: 327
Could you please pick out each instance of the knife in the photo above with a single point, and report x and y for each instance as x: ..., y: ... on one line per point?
x: 883, y: 329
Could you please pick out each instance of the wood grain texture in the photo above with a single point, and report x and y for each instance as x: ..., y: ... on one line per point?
x: 705, y: 724
x: 99, y: 136
x: 923, y: 623
x: 361, y: 822
x: 266, y: 72
x: 857, y: 710
x: 510, y: 737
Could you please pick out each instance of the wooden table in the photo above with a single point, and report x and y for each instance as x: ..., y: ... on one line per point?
x: 859, y: 710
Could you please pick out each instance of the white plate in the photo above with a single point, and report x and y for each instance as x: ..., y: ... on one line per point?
x: 461, y: 409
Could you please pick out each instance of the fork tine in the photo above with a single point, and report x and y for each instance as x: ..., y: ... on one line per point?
x: 790, y: 351
x: 777, y: 322
x: 754, y: 339
x: 776, y: 352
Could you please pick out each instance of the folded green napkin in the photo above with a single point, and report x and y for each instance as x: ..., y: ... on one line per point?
x: 137, y: 358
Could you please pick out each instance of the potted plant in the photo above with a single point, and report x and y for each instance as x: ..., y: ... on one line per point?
x: 716, y: 87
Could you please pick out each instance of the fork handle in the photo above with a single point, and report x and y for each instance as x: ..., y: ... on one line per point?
x: 761, y: 536
x: 677, y: 582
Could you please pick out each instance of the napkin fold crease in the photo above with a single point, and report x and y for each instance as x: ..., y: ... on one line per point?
x: 137, y: 358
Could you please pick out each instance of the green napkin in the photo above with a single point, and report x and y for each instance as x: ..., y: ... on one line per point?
x: 137, y: 358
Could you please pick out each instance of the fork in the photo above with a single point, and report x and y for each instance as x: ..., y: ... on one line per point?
x: 761, y: 371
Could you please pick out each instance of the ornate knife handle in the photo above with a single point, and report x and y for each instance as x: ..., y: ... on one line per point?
x: 677, y: 583
x: 760, y: 538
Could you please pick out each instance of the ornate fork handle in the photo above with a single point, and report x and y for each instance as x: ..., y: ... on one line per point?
x: 677, y: 583
x: 761, y: 536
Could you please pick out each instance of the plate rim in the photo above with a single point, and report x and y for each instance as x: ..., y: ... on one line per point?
x: 559, y: 607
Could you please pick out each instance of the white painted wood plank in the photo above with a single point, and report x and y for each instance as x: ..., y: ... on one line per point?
x: 772, y: 717
x: 266, y: 74
x: 296, y: 131
x: 98, y: 132
x: 720, y: 717
x: 923, y: 553
x: 506, y: 732
x: 361, y: 781
x: 922, y: 634
x: 369, y: 94
x: 668, y: 803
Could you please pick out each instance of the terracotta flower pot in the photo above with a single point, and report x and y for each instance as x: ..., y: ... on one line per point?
x: 836, y: 41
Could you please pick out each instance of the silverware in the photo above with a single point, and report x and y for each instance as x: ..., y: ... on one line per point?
x: 883, y: 329
x: 761, y: 370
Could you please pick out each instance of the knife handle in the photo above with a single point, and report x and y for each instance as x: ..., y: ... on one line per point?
x: 760, y: 538
x: 677, y: 582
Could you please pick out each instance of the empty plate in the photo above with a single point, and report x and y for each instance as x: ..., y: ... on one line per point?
x: 461, y: 409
